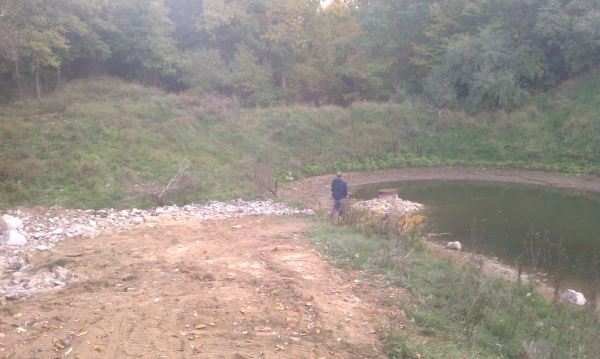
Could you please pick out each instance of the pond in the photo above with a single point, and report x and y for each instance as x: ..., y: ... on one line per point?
x: 507, y: 212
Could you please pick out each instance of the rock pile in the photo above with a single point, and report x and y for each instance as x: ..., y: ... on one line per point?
x: 23, y: 233
x: 389, y: 205
x: 43, y: 230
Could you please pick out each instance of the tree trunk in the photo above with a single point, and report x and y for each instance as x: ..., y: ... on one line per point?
x: 37, y: 82
x: 19, y: 86
x: 58, y: 76
x: 283, y: 85
x: 395, y: 66
x: 355, y: 71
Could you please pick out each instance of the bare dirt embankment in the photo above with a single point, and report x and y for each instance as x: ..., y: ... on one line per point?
x: 228, y: 288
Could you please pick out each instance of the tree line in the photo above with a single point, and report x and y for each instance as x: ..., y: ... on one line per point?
x: 471, y: 55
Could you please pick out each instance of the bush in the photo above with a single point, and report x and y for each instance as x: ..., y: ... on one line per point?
x: 479, y: 73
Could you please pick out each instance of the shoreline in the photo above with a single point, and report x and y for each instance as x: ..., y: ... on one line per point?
x: 314, y: 191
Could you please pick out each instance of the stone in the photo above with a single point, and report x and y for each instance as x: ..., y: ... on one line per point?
x: 58, y: 231
x: 42, y: 248
x: 26, y: 268
x: 13, y: 238
x: 574, y: 297
x: 60, y: 273
x: 9, y: 223
x: 138, y: 220
x: 454, y: 246
x: 18, y: 275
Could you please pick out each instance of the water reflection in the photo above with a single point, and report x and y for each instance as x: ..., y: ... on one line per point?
x: 506, y: 211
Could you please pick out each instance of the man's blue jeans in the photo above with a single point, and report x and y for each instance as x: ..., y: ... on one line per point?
x: 337, y: 207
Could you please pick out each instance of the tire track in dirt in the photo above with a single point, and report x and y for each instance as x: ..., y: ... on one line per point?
x: 236, y: 288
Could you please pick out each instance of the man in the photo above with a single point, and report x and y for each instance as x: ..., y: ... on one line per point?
x: 339, y: 190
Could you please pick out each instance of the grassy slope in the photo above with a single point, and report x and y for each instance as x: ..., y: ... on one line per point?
x: 99, y: 143
x: 454, y: 312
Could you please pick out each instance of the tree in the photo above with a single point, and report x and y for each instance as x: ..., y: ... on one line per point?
x: 205, y: 69
x: 143, y: 40
x: 569, y: 32
x: 478, y: 73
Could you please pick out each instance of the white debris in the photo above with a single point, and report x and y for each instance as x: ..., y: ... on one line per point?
x: 9, y: 223
x: 574, y: 297
x: 454, y: 245
x: 13, y: 238
x: 389, y: 205
x: 31, y: 232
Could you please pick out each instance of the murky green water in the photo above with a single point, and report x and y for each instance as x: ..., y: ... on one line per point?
x: 507, y: 211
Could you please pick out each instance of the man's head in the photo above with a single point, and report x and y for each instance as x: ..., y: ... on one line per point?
x: 339, y: 175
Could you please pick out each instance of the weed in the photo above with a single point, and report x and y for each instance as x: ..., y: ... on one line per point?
x: 61, y: 262
x: 457, y: 312
x: 593, y: 286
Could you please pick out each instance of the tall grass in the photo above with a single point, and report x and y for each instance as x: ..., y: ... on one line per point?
x: 103, y: 142
x: 452, y: 312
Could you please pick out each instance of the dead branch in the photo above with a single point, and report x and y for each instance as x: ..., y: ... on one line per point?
x: 182, y: 177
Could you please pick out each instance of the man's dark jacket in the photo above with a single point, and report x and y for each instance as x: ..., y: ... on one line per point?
x: 339, y: 188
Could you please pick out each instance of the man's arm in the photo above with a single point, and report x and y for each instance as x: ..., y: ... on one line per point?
x: 345, y: 189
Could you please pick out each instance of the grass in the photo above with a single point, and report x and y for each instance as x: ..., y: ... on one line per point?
x: 104, y: 142
x: 457, y: 312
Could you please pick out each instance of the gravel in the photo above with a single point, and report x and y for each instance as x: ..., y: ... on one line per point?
x: 24, y: 233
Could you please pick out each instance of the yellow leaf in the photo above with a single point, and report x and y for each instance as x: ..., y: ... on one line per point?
x: 529, y: 294
x: 96, y: 347
x: 200, y: 326
x: 425, y: 342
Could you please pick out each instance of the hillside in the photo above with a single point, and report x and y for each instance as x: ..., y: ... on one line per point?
x: 108, y: 143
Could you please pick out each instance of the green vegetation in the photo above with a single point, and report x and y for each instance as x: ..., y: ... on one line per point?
x: 474, y: 55
x: 451, y: 312
x: 106, y: 143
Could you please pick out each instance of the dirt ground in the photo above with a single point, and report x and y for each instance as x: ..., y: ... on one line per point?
x: 232, y: 288
x: 235, y: 288
x: 315, y: 191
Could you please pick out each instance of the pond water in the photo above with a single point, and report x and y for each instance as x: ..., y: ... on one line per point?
x: 507, y: 212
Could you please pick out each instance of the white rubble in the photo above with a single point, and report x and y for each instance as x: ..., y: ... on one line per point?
x: 23, y: 233
x: 389, y: 205
x: 574, y: 297
x: 57, y: 224
x: 13, y: 238
x: 454, y: 245
x: 9, y: 223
